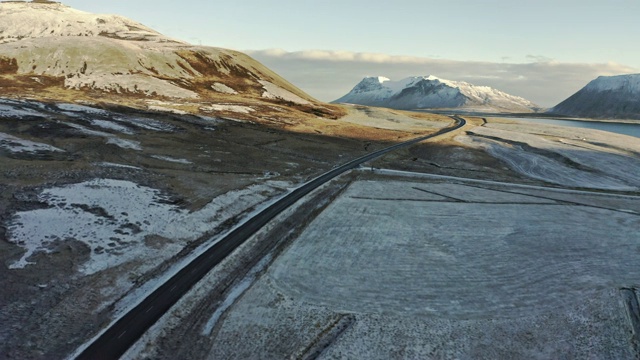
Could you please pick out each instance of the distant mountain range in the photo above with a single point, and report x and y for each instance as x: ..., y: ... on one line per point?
x: 604, y: 97
x: 430, y: 92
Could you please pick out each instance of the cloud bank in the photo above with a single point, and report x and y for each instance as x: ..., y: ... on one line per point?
x: 327, y: 75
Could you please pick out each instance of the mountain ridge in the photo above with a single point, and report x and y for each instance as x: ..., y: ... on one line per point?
x: 431, y: 92
x: 604, y: 97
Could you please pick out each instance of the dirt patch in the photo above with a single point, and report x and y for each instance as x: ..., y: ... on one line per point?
x: 8, y: 66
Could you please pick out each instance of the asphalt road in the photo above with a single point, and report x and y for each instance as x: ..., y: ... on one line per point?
x: 118, y: 338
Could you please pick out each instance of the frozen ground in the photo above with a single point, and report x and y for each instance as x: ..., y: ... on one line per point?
x: 432, y: 269
x: 414, y: 268
x: 475, y: 254
x: 564, y: 156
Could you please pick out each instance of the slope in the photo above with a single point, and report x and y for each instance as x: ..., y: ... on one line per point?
x: 52, y: 52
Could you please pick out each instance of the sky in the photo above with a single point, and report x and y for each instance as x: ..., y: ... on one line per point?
x: 543, y: 50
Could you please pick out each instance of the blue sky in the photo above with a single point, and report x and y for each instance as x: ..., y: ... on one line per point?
x: 588, y: 33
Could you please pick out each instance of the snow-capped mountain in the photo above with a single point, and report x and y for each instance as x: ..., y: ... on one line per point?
x: 430, y: 92
x: 49, y: 48
x: 605, y: 97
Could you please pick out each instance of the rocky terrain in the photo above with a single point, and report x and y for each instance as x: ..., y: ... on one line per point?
x: 607, y: 97
x: 430, y: 92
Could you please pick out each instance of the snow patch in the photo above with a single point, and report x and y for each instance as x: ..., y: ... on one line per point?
x: 82, y: 109
x: 129, y: 83
x: 144, y: 123
x: 226, y: 107
x: 273, y: 91
x: 121, y: 221
x: 111, y: 139
x: 171, y: 159
x: 86, y: 112
x: 17, y: 145
x: 222, y: 88
x: 16, y: 111
x: 111, y: 216
x: 110, y: 164
x: 166, y: 109
x: 105, y: 124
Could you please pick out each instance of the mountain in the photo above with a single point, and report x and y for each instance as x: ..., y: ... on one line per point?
x: 604, y: 97
x: 49, y: 50
x: 430, y: 92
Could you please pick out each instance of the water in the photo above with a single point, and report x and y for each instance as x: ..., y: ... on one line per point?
x: 620, y: 128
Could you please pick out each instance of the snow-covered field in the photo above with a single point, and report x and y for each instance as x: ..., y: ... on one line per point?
x: 478, y: 253
x: 438, y: 267
x: 121, y: 221
x: 565, y: 156
x: 432, y: 268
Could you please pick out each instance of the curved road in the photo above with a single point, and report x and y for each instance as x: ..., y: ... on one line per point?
x: 122, y: 334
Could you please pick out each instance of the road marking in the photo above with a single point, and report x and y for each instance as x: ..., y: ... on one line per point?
x: 172, y: 288
x: 149, y: 309
x: 124, y: 332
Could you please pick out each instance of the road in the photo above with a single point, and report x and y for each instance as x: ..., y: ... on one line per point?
x: 122, y: 334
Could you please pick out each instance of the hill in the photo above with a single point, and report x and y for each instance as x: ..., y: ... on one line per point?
x: 50, y: 51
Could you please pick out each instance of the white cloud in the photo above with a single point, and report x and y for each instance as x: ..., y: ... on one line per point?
x: 327, y: 75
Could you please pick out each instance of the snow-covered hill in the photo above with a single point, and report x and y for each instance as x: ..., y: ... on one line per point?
x: 430, y: 92
x: 605, y: 97
x: 35, y: 20
x: 45, y: 46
